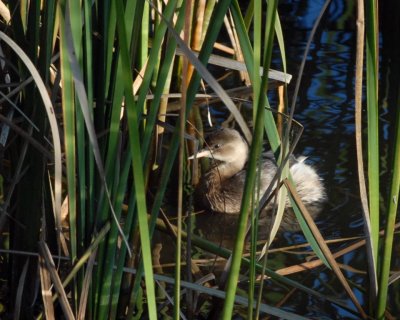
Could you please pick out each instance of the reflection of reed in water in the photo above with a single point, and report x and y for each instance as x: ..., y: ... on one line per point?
x: 221, y: 228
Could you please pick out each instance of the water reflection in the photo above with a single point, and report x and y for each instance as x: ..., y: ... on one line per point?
x: 325, y: 107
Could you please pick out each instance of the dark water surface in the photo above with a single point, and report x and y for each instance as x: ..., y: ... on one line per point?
x: 325, y: 107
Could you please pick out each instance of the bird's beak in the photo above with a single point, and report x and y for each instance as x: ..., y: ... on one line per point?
x: 201, y: 154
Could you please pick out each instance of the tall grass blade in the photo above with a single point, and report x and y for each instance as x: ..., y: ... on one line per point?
x: 79, y: 265
x: 45, y: 283
x: 68, y: 101
x: 5, y: 12
x: 83, y: 102
x: 85, y: 287
x: 256, y: 83
x: 372, y: 75
x: 20, y: 290
x: 151, y: 120
x: 53, y: 124
x: 390, y: 224
x: 360, y: 161
x: 45, y: 253
x: 181, y: 155
x: 97, y: 239
x: 137, y: 164
x: 255, y: 151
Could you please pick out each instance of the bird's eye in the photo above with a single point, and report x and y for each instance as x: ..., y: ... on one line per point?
x: 217, y: 146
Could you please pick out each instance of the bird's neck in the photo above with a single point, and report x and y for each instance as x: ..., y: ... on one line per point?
x: 225, y: 170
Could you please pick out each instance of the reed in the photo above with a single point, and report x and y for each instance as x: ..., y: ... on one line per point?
x: 104, y: 147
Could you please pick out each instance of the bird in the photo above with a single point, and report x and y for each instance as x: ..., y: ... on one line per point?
x: 221, y: 188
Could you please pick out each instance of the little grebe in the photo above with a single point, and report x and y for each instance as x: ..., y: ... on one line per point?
x: 221, y: 188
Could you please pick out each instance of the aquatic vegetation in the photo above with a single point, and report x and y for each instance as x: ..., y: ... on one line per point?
x: 102, y: 102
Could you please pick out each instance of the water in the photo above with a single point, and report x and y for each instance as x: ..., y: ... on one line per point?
x: 325, y: 107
